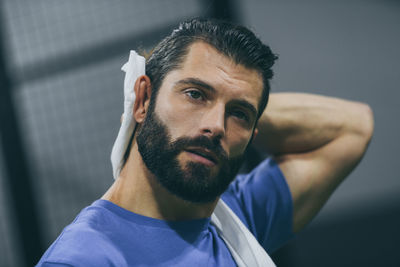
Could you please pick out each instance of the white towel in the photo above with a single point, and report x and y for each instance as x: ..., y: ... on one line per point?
x: 134, y: 68
x: 243, y: 246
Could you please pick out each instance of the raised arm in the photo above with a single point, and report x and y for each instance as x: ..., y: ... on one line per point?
x: 317, y: 142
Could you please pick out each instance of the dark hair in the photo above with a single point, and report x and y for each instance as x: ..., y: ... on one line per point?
x: 233, y: 41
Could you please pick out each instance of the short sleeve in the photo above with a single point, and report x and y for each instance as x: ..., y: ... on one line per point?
x: 262, y: 200
x: 54, y: 264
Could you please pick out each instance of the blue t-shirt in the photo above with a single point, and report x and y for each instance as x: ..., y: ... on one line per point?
x: 105, y: 234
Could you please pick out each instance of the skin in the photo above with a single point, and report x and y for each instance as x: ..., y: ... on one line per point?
x: 209, y: 95
x: 317, y: 141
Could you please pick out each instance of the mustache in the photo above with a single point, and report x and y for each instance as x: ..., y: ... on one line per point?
x: 214, y: 145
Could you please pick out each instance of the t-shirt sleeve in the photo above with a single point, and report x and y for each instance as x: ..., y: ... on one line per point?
x: 81, y: 246
x: 54, y: 264
x: 263, y: 202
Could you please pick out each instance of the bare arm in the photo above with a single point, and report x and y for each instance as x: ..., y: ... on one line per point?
x: 317, y: 142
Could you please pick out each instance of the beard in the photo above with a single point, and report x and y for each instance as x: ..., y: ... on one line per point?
x: 193, y: 182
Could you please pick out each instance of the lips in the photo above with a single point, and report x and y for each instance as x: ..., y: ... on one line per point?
x: 205, y: 153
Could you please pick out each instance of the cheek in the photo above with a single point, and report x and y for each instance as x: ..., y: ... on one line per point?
x: 237, y: 139
x: 181, y: 120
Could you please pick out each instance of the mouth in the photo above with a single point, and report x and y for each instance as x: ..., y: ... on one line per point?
x: 204, y: 153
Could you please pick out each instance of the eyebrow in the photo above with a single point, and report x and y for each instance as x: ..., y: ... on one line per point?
x: 240, y: 102
x: 195, y: 81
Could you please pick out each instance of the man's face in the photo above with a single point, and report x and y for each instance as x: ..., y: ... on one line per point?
x: 194, y: 137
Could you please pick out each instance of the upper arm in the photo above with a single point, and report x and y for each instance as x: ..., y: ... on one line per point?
x: 313, y: 176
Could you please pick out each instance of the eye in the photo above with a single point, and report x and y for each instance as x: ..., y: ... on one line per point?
x: 240, y: 115
x: 194, y: 94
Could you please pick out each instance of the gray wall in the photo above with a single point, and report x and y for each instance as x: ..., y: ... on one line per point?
x: 347, y: 49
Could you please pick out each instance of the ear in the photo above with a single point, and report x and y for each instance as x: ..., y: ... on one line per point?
x: 254, y: 135
x: 142, y: 101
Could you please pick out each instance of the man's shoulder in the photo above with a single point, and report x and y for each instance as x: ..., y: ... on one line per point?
x: 264, y: 173
x: 263, y: 202
x: 86, y: 235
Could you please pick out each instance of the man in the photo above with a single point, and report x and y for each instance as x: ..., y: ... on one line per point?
x: 196, y: 111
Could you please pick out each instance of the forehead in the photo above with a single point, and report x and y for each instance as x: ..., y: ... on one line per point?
x: 206, y: 63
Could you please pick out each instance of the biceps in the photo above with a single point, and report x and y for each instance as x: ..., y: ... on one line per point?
x: 312, y: 177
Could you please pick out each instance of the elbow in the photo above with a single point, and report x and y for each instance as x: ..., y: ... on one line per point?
x: 366, y: 122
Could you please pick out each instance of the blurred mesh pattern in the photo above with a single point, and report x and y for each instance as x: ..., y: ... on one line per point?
x: 69, y: 120
x: 44, y: 29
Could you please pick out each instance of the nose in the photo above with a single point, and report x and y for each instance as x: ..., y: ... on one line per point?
x: 213, y: 122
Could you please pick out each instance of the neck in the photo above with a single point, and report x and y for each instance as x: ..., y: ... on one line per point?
x: 138, y: 190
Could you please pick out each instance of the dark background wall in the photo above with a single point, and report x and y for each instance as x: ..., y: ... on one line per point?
x: 63, y: 62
